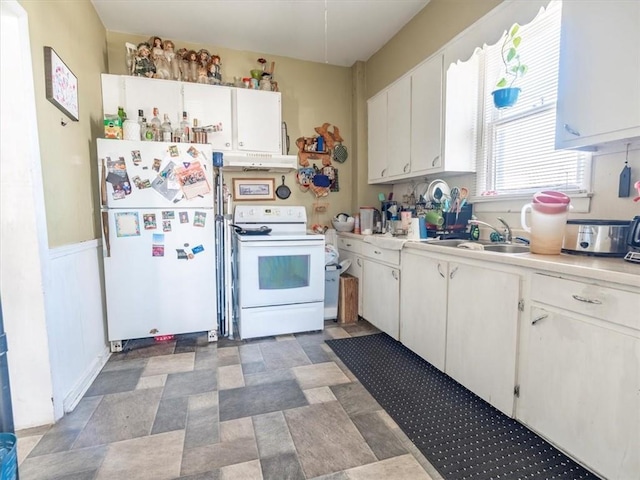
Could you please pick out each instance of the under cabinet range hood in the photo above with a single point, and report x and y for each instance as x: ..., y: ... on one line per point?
x: 258, y: 161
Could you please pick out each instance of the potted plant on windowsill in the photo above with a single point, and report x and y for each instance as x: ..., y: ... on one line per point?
x: 506, y: 95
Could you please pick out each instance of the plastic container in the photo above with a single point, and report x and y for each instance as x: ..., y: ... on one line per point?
x: 366, y: 220
x: 9, y: 456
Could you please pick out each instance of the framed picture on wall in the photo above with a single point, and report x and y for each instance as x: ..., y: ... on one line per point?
x: 61, y: 84
x: 253, y: 189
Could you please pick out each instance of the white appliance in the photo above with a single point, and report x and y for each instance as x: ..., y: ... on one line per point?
x: 279, y: 276
x: 158, y: 238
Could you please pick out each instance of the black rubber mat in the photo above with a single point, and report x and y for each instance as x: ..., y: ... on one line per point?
x: 459, y: 433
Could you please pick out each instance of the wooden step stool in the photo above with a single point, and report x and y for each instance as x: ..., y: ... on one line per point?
x: 348, y: 299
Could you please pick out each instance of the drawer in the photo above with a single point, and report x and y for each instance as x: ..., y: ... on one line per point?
x: 608, y: 304
x: 350, y: 244
x: 385, y: 255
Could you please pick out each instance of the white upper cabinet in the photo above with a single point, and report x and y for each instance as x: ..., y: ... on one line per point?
x: 426, y: 117
x: 211, y: 107
x: 377, y: 133
x: 399, y: 127
x: 599, y: 78
x: 149, y: 93
x: 258, y: 121
x: 461, y: 116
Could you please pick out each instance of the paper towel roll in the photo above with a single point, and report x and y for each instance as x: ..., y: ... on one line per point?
x: 414, y: 229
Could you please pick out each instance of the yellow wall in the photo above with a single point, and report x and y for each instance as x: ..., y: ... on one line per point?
x: 75, y: 32
x: 312, y: 94
x: 427, y: 32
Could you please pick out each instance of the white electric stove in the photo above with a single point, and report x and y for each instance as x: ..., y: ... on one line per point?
x: 278, y: 276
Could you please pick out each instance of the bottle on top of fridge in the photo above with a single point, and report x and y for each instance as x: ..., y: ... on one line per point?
x: 167, y: 131
x: 156, y: 125
x: 143, y: 123
x: 185, y: 128
x: 147, y: 132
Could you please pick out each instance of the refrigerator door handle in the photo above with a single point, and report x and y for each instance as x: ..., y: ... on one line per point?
x: 103, y: 185
x: 105, y: 231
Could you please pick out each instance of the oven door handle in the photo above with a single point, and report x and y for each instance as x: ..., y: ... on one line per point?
x: 281, y: 243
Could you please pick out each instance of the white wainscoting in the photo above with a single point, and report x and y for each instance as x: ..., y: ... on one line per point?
x: 76, y: 322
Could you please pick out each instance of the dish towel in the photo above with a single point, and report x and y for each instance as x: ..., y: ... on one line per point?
x: 471, y: 246
x: 388, y: 242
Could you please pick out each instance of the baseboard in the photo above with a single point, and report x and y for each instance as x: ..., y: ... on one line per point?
x: 78, y: 391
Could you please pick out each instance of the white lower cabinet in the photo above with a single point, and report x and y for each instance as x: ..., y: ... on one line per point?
x: 381, y: 297
x: 482, y: 329
x: 423, y: 306
x: 580, y: 374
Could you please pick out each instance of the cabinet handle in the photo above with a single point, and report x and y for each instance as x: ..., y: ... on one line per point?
x: 571, y: 130
x: 440, y: 271
x: 537, y: 319
x: 394, y: 274
x: 103, y: 185
x: 241, y: 144
x: 586, y: 300
x: 406, y: 168
x: 348, y: 244
x: 227, y: 144
x: 377, y: 252
x: 435, y: 160
x: 453, y: 272
x: 358, y: 262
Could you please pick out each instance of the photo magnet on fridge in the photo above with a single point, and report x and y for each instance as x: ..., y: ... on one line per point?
x: 149, y: 221
x: 136, y: 158
x: 157, y: 251
x: 173, y: 151
x: 166, y: 225
x: 127, y: 224
x: 197, y: 249
x: 199, y: 219
x: 168, y: 215
x: 182, y: 255
x: 184, y: 217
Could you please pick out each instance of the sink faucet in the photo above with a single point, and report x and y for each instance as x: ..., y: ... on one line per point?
x: 506, y: 234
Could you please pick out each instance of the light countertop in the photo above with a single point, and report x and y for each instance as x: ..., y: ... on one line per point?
x: 606, y: 269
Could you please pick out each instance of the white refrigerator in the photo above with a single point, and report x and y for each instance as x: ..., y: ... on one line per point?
x: 158, y: 227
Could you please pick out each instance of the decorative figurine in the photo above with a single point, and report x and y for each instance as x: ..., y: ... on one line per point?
x: 214, y: 73
x: 192, y: 68
x: 204, y: 57
x: 183, y: 65
x: 172, y: 60
x: 159, y: 60
x: 144, y: 66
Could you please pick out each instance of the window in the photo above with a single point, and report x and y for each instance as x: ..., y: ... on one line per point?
x: 517, y: 155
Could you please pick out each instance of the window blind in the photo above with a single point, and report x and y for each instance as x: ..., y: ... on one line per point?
x: 517, y: 155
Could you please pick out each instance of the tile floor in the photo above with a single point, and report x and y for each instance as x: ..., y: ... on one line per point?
x: 274, y: 409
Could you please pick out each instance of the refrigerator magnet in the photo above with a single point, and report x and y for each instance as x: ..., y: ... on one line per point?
x: 166, y: 225
x: 173, y: 151
x: 193, y: 151
x: 182, y: 255
x: 157, y: 251
x: 156, y: 164
x: 136, y: 158
x: 158, y: 238
x: 149, y: 221
x: 199, y: 219
x: 127, y: 224
x: 193, y: 180
x: 168, y: 215
x: 197, y: 249
x: 184, y: 217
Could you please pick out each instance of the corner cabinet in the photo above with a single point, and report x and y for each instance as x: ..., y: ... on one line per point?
x: 599, y: 78
x: 580, y: 373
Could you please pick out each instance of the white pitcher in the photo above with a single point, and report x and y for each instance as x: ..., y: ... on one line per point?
x: 548, y: 223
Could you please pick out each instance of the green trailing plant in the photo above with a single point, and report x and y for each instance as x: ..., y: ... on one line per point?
x: 513, y: 66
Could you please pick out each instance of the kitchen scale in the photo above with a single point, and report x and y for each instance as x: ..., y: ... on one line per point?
x: 633, y: 257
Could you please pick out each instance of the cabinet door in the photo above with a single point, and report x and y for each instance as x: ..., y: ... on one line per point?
x: 426, y: 116
x: 399, y: 127
x: 258, y: 121
x: 579, y: 389
x: 423, y: 309
x: 381, y: 297
x: 377, y: 134
x: 210, y: 105
x: 461, y: 116
x: 482, y: 325
x: 149, y: 93
x: 599, y: 78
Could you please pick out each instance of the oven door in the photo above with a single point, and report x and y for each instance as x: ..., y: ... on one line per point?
x: 274, y: 273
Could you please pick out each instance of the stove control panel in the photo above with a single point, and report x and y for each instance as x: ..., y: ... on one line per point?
x: 269, y: 215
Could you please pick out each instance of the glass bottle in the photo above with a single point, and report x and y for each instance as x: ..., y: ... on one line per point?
x: 167, y: 131
x: 185, y: 129
x: 143, y: 124
x: 148, y: 131
x: 155, y: 125
x: 122, y: 114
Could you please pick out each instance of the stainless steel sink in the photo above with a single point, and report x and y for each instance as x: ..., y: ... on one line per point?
x: 507, y: 248
x: 485, y: 245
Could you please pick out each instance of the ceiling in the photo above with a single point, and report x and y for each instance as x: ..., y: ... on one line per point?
x: 337, y: 32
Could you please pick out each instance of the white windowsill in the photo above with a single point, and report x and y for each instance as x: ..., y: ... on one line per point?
x: 581, y: 203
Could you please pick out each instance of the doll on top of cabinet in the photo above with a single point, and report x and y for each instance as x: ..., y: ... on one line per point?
x: 144, y: 66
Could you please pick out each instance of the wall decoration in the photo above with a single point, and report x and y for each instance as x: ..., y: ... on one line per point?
x: 61, y: 84
x: 253, y: 189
